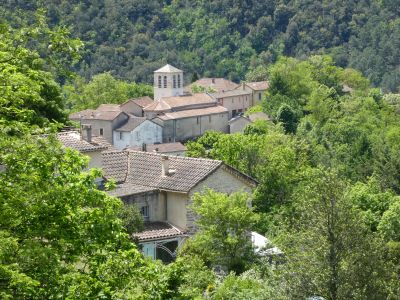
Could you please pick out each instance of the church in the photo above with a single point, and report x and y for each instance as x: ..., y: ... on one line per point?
x: 175, y: 115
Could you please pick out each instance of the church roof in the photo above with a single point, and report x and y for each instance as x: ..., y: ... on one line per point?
x: 168, y: 69
x: 217, y: 84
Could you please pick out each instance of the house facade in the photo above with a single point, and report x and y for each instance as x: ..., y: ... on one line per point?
x: 257, y: 90
x: 84, y: 142
x: 136, y: 132
x: 102, y: 122
x: 235, y: 101
x: 183, y: 125
x: 162, y: 187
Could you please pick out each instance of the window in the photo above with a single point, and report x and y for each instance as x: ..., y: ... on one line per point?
x: 233, y: 113
x: 259, y: 96
x: 165, y: 81
x: 101, y: 131
x: 198, y: 120
x: 174, y: 81
x: 179, y: 80
x: 232, y: 100
x: 159, y: 81
x: 137, y: 135
x: 144, y: 211
x: 121, y: 136
x: 209, y: 119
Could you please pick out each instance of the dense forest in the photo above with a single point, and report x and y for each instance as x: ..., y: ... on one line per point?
x: 327, y: 165
x: 224, y: 38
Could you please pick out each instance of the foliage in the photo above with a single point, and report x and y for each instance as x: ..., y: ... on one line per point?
x: 102, y: 89
x: 223, y: 225
x: 330, y: 252
x: 225, y: 38
x: 200, y: 89
x: 131, y: 218
x: 28, y: 92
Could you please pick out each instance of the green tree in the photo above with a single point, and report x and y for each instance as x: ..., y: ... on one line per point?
x: 102, y: 89
x: 224, y: 224
x: 330, y: 252
x: 52, y: 217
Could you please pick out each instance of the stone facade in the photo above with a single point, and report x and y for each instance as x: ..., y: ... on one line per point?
x: 181, y: 129
x: 235, y: 101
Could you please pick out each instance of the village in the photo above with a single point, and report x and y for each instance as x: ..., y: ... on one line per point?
x: 139, y: 144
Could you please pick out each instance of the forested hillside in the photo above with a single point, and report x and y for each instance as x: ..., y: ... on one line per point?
x: 225, y: 38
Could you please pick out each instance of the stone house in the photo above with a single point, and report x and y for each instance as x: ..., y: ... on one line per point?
x: 186, y: 124
x: 103, y: 120
x: 214, y: 84
x: 135, y: 106
x: 136, y: 132
x: 235, y: 101
x: 162, y: 187
x: 85, y: 143
x: 257, y: 90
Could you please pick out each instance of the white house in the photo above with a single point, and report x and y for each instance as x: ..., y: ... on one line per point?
x: 136, y: 132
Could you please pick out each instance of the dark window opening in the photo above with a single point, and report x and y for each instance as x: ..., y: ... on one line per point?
x: 101, y: 131
x: 174, y: 81
x: 159, y: 81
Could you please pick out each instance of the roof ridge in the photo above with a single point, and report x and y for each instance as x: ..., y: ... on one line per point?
x: 173, y: 156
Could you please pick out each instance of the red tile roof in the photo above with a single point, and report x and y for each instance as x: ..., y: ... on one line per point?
x: 258, y: 86
x: 217, y: 84
x: 193, y: 113
x: 157, y: 230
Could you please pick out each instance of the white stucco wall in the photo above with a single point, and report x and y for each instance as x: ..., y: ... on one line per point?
x: 169, y: 91
x: 147, y: 132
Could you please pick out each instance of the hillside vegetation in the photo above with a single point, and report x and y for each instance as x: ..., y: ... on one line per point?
x: 225, y: 38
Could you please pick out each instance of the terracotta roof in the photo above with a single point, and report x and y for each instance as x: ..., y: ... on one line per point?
x: 258, y: 86
x: 144, y: 169
x: 115, y: 165
x: 72, y: 139
x: 259, y: 116
x: 156, y: 230
x: 131, y: 124
x: 237, y: 92
x: 162, y: 148
x: 82, y: 113
x: 100, y: 140
x: 109, y: 107
x: 126, y: 189
x: 218, y: 84
x: 142, y: 101
x: 168, y: 69
x: 179, y: 102
x: 95, y: 114
x: 193, y: 113
x: 157, y: 106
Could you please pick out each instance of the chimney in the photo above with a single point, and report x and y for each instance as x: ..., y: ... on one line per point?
x: 165, y: 170
x: 144, y: 147
x: 86, y: 132
x: 213, y: 80
x: 164, y: 165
